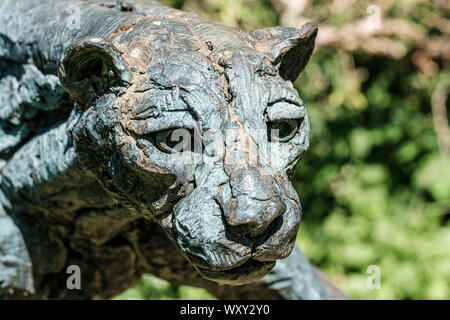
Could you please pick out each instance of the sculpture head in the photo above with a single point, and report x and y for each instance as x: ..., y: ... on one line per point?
x: 202, y: 141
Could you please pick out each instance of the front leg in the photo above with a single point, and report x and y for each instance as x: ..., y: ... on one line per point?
x: 294, y: 278
x: 16, y: 276
x: 54, y: 215
x: 41, y: 160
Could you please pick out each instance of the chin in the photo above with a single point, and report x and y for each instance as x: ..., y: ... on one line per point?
x: 246, y: 273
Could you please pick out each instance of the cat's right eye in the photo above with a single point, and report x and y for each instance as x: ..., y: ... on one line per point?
x: 282, y: 131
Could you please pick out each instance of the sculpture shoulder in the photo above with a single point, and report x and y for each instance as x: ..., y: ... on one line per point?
x: 42, y: 29
x: 29, y: 99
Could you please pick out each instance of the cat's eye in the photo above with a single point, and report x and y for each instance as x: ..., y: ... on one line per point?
x: 282, y: 131
x: 177, y: 140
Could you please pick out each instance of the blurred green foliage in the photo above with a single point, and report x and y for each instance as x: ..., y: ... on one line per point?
x: 375, y: 186
x: 150, y: 287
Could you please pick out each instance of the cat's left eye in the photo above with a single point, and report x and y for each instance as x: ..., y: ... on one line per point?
x: 283, y: 130
x: 165, y: 142
x: 177, y: 140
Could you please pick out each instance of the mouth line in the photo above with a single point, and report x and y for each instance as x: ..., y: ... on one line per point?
x: 249, y: 271
x: 201, y: 264
x: 244, y: 263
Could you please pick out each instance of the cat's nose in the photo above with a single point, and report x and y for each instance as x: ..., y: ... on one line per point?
x: 255, y: 203
x: 253, y: 216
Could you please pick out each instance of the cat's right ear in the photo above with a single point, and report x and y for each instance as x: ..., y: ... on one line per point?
x: 288, y: 49
x: 90, y: 67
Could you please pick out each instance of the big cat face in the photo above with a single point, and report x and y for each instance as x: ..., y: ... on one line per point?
x: 205, y: 146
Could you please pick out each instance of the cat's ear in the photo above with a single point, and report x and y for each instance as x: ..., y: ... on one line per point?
x: 288, y: 49
x: 90, y: 67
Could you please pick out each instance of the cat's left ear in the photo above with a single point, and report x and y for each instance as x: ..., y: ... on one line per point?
x: 288, y: 49
x: 90, y: 67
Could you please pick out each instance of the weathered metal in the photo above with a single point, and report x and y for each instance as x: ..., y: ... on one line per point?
x: 99, y: 184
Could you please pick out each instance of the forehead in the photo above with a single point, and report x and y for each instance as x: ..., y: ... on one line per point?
x: 185, y: 81
x: 203, y: 66
x: 254, y: 85
x: 241, y: 80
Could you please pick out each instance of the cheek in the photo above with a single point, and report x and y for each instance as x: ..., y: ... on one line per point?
x: 181, y: 164
x: 151, y: 189
x: 128, y: 151
x: 304, y: 133
x: 141, y: 156
x: 141, y: 159
x: 285, y: 156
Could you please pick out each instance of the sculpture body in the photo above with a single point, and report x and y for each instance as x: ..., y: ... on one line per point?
x: 91, y: 174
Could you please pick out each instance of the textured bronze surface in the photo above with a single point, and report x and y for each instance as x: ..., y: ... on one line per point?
x: 100, y: 184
